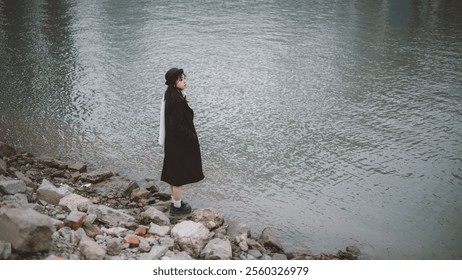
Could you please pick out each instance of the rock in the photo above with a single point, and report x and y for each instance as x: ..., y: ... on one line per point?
x: 5, y: 250
x: 6, y: 150
x: 96, y: 176
x: 12, y: 186
x: 271, y: 241
x: 111, y: 216
x: 151, y: 214
x: 167, y: 241
x: 237, y: 229
x: 280, y: 257
x: 255, y: 253
x: 51, y: 194
x: 159, y: 230
x: 116, y: 231
x: 94, y: 230
x: 243, y: 246
x: 114, y: 246
x: 26, y: 229
x: 156, y: 253
x: 190, y: 237
x: 181, y: 256
x: 78, y: 166
x: 217, y: 249
x: 76, y: 219
x: 112, y: 187
x: 255, y: 245
x: 139, y: 193
x: 19, y: 198
x: 353, y: 249
x: 141, y: 230
x: 75, y: 202
x: 299, y: 253
x: 90, y: 229
x: 91, y: 250
x: 152, y: 187
x: 209, y: 217
x: 2, y: 166
x: 132, y: 240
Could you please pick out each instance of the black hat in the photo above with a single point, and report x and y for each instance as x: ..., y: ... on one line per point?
x: 172, y: 75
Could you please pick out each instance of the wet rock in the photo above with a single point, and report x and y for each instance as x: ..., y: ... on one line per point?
x: 271, y: 241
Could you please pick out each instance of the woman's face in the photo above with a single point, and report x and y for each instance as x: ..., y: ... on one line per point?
x: 181, y: 82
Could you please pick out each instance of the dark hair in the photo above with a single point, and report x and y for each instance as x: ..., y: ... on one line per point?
x: 173, y: 95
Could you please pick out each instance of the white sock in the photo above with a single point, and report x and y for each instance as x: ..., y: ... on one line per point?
x: 177, y: 203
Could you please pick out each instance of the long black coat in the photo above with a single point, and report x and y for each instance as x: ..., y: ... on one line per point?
x: 182, y: 158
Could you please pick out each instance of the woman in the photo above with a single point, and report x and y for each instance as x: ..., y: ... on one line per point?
x: 182, y: 156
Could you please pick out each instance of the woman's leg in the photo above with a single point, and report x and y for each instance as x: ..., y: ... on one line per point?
x: 176, y: 193
x: 178, y: 207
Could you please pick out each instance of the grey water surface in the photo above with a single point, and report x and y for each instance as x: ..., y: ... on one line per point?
x: 334, y: 122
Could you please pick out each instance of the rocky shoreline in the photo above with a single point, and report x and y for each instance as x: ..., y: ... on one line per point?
x: 51, y: 209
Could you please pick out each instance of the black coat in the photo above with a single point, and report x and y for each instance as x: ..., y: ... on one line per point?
x: 182, y: 156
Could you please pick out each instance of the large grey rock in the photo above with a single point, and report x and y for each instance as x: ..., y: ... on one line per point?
x: 91, y: 250
x: 12, y: 186
x: 217, y: 249
x: 270, y: 241
x: 114, y: 246
x: 112, y: 187
x: 20, y: 198
x: 158, y: 230
x: 111, y: 216
x: 52, y: 194
x: 156, y: 253
x: 151, y: 214
x: 75, y: 202
x: 190, y: 237
x: 26, y: 229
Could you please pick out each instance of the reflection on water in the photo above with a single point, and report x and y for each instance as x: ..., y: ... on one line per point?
x: 335, y: 123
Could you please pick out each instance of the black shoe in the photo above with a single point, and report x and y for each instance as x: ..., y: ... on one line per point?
x: 185, y: 209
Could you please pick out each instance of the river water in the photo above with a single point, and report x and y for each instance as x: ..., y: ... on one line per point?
x: 334, y: 122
